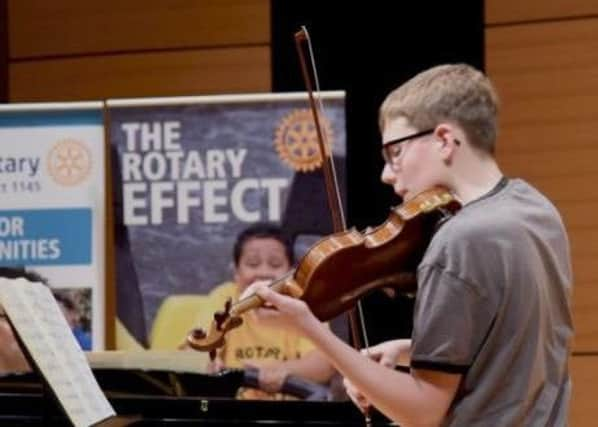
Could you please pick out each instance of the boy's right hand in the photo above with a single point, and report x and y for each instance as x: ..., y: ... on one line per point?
x: 388, y: 354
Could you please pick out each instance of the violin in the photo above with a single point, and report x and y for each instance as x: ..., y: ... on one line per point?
x: 343, y: 267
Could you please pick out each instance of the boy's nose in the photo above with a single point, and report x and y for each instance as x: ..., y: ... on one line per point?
x: 388, y: 175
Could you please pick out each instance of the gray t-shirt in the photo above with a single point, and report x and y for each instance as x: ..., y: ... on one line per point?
x: 493, y: 304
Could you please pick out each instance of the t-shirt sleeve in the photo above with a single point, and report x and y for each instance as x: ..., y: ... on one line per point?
x: 451, y: 320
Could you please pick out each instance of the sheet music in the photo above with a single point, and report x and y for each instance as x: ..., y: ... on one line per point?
x: 45, y: 332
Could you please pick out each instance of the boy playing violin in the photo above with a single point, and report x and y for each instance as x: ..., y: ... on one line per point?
x: 492, y: 320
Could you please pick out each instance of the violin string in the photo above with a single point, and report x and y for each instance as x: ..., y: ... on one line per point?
x: 366, y: 341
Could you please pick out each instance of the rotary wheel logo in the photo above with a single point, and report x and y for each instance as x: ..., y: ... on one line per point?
x: 69, y: 162
x: 296, y: 140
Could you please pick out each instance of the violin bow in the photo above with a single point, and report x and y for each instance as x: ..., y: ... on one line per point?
x: 356, y: 317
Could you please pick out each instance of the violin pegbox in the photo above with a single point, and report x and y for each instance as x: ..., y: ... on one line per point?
x: 222, y: 323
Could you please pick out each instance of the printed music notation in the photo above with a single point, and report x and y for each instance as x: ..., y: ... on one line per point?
x: 44, y: 331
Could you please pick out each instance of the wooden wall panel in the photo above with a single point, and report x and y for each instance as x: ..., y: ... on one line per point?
x: 3, y: 51
x: 584, y: 318
x: 510, y: 11
x: 585, y: 275
x: 68, y: 27
x: 233, y: 70
x: 541, y: 163
x: 584, y: 372
x: 547, y: 77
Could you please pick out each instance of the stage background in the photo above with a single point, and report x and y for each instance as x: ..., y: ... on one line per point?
x: 542, y: 55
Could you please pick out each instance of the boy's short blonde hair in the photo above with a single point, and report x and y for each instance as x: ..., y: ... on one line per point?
x: 455, y: 93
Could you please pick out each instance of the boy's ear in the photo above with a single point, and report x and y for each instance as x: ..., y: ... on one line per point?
x: 445, y: 134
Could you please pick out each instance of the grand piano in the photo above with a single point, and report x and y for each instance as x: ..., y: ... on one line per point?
x: 153, y: 396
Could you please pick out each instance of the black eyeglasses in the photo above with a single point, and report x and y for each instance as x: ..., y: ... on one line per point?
x: 392, y: 150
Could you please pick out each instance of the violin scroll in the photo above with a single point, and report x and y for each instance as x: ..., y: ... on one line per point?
x: 222, y: 323
x: 230, y: 317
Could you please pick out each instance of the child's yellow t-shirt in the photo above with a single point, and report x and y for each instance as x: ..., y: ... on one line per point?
x: 254, y: 344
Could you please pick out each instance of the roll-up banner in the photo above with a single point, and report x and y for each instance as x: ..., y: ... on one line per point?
x: 52, y: 218
x: 191, y: 173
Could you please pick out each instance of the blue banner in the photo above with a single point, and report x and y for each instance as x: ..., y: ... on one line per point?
x: 45, y: 237
x: 52, y: 217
